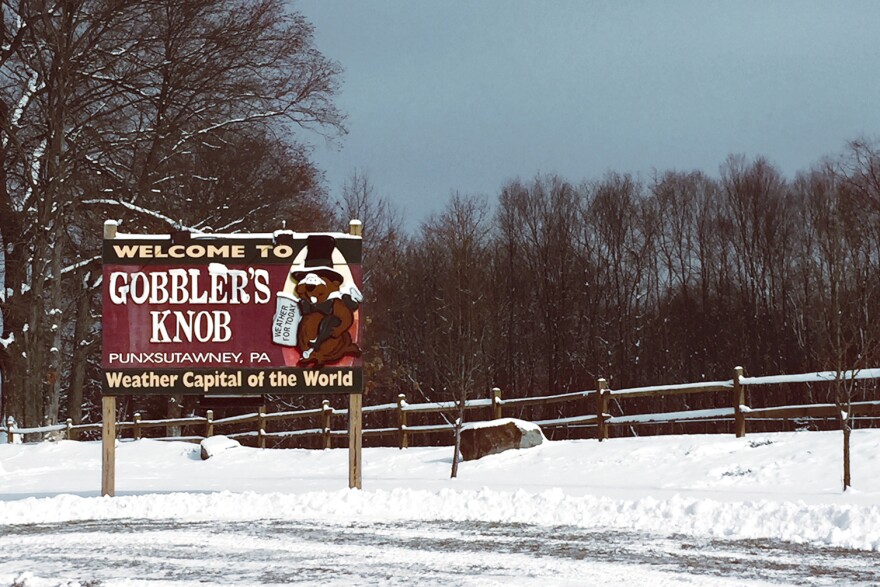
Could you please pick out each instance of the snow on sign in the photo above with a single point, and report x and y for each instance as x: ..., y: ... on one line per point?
x: 229, y: 314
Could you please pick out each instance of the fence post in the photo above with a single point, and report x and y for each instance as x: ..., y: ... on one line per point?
x: 10, y: 424
x: 69, y: 427
x: 136, y: 431
x: 401, y: 421
x: 261, y: 421
x: 739, y: 399
x: 496, y: 403
x: 601, y: 409
x: 209, y: 423
x: 326, y: 415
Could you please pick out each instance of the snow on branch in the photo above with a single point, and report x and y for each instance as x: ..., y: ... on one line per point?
x: 219, y: 125
x: 102, y: 167
x: 146, y: 212
x: 5, y: 342
x: 82, y: 263
x: 230, y: 225
x: 34, y: 86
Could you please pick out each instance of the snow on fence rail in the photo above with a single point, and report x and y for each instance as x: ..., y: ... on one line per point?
x: 817, y: 377
x: 598, y: 418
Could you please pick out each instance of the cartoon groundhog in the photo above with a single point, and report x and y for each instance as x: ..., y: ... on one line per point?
x: 327, y: 313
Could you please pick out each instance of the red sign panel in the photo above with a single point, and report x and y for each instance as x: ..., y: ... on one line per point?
x: 225, y: 315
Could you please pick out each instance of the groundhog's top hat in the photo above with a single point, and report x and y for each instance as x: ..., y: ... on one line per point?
x: 319, y: 258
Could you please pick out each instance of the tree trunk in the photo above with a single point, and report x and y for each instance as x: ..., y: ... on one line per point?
x: 81, y: 345
x: 846, y: 469
x: 42, y: 311
x: 175, y: 409
x: 458, y: 422
x: 457, y: 444
x: 52, y: 386
x: 14, y: 310
x: 33, y: 363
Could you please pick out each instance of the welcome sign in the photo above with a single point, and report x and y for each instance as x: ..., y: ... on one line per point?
x: 230, y: 314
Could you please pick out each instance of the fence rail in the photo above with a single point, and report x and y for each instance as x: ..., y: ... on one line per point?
x: 599, y: 417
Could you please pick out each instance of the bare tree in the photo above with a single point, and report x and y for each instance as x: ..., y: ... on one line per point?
x: 383, y: 260
x: 860, y: 170
x: 756, y: 207
x: 450, y: 321
x: 843, y: 263
x: 539, y: 277
x: 104, y: 106
x: 361, y: 200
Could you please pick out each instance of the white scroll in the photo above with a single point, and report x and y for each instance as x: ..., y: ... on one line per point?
x: 286, y: 321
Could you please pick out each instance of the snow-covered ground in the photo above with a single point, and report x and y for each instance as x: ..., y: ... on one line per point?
x: 775, y: 489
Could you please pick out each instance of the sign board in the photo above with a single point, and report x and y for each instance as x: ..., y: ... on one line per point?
x: 275, y: 313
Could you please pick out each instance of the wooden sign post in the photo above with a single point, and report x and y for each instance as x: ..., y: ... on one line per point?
x: 355, y: 412
x: 108, y: 428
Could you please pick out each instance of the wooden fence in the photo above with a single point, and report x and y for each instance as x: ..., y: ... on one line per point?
x: 595, y: 408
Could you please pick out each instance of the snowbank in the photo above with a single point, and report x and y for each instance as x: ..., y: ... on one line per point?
x: 776, y: 486
x: 847, y: 526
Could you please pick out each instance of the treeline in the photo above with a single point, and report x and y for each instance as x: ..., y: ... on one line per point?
x: 675, y: 279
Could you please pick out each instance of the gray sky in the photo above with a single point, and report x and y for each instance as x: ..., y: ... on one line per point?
x: 453, y: 95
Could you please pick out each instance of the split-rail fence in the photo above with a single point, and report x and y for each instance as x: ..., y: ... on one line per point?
x: 593, y: 405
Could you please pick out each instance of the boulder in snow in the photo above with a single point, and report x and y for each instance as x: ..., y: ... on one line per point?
x: 479, y: 439
x: 217, y: 444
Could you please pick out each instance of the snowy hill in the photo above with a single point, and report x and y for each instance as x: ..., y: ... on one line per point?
x: 777, y: 486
